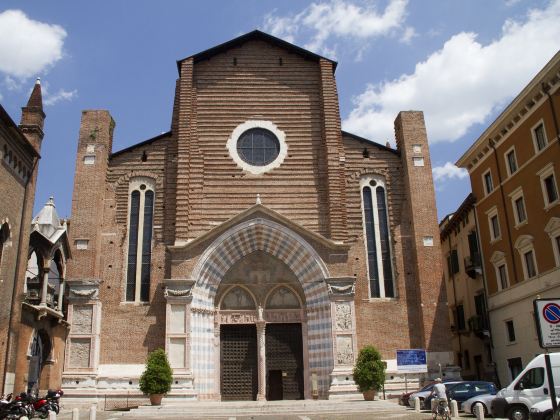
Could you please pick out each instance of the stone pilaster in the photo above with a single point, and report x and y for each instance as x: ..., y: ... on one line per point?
x: 343, y: 315
x: 83, y: 343
x: 178, y: 296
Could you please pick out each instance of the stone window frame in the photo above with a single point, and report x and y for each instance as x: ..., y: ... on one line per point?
x: 498, y: 260
x: 380, y: 182
x: 514, y: 196
x: 525, y: 244
x: 491, y: 213
x: 231, y: 146
x: 543, y: 174
x: 507, y: 322
x: 552, y: 228
x: 134, y: 185
x: 534, y: 136
x: 5, y: 237
x: 488, y: 188
x: 508, y: 163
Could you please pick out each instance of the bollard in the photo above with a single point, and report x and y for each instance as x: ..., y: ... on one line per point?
x: 479, y: 411
x: 75, y: 414
x: 454, y: 409
x: 52, y: 415
x: 92, y: 412
x: 417, y: 404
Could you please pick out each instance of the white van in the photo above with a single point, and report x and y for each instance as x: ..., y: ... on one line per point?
x: 528, y: 388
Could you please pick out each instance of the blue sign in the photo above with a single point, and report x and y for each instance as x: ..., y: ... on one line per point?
x: 413, y: 360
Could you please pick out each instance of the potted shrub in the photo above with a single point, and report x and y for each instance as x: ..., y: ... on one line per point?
x: 369, y: 372
x: 157, y: 378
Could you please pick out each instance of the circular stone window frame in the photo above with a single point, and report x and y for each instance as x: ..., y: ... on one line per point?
x: 247, y: 125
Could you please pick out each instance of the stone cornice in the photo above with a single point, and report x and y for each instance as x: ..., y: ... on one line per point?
x: 514, y: 113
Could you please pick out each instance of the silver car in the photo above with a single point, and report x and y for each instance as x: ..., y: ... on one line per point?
x: 484, y: 399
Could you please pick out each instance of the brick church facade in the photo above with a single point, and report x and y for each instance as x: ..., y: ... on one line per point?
x: 256, y: 241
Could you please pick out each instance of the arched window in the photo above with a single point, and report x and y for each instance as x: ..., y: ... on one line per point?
x: 4, y: 239
x: 140, y: 224
x: 377, y: 238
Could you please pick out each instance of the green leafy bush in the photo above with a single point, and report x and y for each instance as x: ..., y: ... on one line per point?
x: 158, y: 376
x: 369, y: 372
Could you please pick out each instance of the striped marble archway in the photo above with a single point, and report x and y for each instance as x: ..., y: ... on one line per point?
x: 259, y: 235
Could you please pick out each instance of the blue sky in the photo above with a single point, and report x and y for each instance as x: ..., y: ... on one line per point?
x: 459, y: 61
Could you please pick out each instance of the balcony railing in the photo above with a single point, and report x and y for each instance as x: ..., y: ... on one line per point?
x: 478, y: 324
x: 473, y: 265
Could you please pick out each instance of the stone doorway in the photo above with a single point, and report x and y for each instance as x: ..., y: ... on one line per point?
x: 238, y: 353
x: 40, y: 350
x: 284, y: 362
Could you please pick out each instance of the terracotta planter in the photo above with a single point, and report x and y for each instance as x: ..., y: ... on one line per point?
x: 370, y: 394
x: 155, y: 399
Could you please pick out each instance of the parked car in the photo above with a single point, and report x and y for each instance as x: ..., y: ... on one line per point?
x: 426, y: 395
x: 542, y: 410
x: 405, y: 396
x: 462, y: 391
x: 527, y: 389
x: 484, y: 399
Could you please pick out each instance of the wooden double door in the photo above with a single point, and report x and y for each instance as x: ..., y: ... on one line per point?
x: 239, y: 362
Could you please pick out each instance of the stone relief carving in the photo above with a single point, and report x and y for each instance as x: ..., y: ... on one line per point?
x: 344, y: 352
x: 82, y: 319
x: 283, y: 298
x: 283, y: 316
x: 335, y: 289
x: 237, y: 318
x: 203, y: 311
x: 238, y: 298
x: 85, y: 293
x: 79, y: 352
x: 343, y: 316
x: 177, y: 293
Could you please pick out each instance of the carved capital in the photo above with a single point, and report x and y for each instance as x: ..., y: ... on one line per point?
x: 178, y: 289
x: 341, y: 287
x: 83, y: 289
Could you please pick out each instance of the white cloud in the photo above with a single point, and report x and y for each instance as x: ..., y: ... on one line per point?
x: 408, y: 34
x: 28, y: 47
x: 448, y: 171
x: 61, y: 95
x: 462, y: 83
x: 322, y: 21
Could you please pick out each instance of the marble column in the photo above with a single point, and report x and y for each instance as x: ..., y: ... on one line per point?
x: 61, y: 295
x: 45, y: 286
x: 261, y: 350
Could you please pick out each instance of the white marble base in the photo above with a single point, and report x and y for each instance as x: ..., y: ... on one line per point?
x: 343, y: 385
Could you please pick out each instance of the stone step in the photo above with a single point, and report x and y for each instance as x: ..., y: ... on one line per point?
x: 221, y: 409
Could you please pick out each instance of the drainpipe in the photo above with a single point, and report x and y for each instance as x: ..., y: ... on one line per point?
x: 546, y: 89
x: 485, y: 286
x: 491, y: 144
x: 16, y: 276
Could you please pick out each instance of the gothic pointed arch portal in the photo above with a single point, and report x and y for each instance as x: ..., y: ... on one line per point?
x: 279, y: 242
